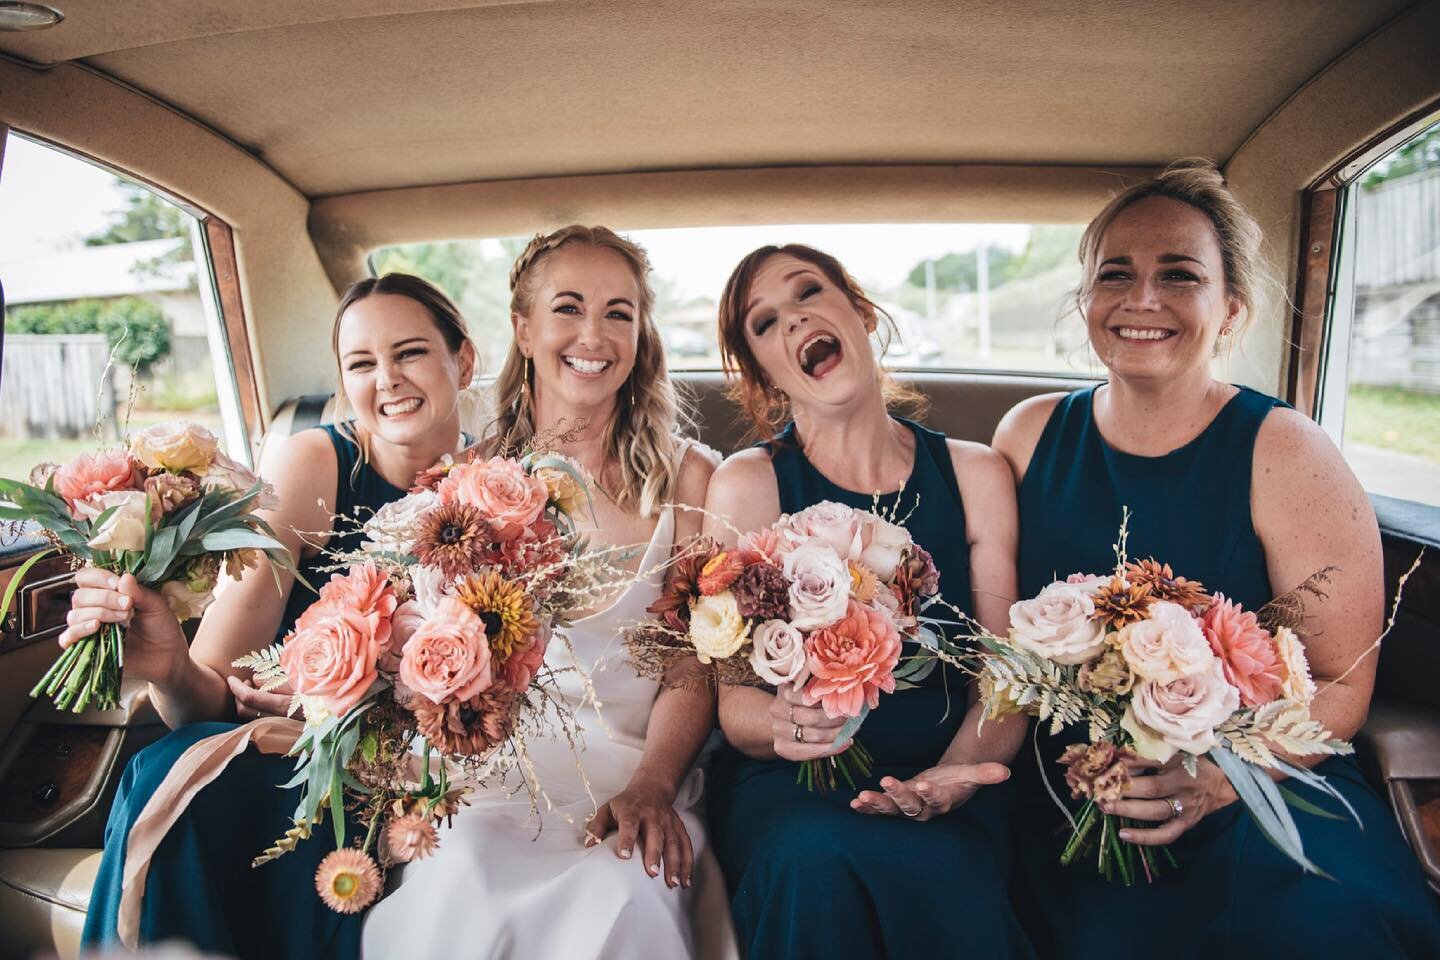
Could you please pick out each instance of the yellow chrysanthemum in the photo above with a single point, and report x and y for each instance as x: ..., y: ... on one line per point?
x: 503, y: 606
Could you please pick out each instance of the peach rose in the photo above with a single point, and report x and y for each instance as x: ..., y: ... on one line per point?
x: 1167, y: 645
x: 509, y: 498
x: 91, y: 475
x: 332, y: 656
x: 1246, y: 651
x: 1058, y: 624
x: 409, y: 617
x: 853, y: 662
x: 175, y: 446
x: 367, y: 589
x: 1181, y: 714
x: 447, y: 657
x: 832, y: 524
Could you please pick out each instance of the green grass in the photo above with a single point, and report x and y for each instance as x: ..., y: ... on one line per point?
x: 19, y: 454
x: 1406, y: 421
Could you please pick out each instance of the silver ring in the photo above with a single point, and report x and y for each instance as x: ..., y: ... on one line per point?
x: 1176, y: 807
x: 799, y: 734
x: 907, y: 812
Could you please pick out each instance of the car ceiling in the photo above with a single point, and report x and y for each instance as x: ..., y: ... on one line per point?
x: 339, y: 97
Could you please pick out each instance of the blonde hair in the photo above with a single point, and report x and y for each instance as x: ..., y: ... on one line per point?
x: 1196, y: 182
x: 642, y: 442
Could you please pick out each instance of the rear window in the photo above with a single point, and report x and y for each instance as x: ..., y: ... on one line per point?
x: 964, y: 296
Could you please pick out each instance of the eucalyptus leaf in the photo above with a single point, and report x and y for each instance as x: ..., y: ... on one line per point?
x: 853, y: 724
x: 1313, y: 779
x: 237, y: 539
x: 1305, y: 806
x: 1281, y: 832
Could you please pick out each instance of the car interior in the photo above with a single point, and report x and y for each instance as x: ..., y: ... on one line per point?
x: 304, y: 138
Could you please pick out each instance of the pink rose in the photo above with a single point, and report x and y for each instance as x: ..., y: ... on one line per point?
x: 1181, y: 714
x: 779, y: 654
x: 331, y: 656
x: 92, y: 475
x: 853, y: 662
x: 524, y: 662
x: 819, y: 585
x: 447, y: 657
x: 510, y: 499
x: 882, y: 545
x: 1246, y: 651
x: 766, y: 542
x: 366, y: 589
x: 1166, y: 645
x: 1058, y: 624
x: 228, y: 474
x: 832, y: 524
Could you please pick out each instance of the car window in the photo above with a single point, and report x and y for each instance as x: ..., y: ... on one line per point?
x: 107, y: 325
x: 962, y: 296
x: 1381, y: 395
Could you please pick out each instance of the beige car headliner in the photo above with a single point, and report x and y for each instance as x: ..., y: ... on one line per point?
x: 373, y: 121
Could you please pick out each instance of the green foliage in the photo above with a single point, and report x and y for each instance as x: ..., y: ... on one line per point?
x: 145, y: 217
x: 1417, y: 156
x: 134, y: 328
x: 1049, y: 246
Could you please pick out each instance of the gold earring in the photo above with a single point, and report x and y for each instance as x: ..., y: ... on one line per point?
x: 632, y: 391
x: 525, y: 382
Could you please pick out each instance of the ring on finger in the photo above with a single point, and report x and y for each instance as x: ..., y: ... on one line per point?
x: 907, y: 812
x: 1176, y: 807
x: 799, y: 734
x: 792, y: 713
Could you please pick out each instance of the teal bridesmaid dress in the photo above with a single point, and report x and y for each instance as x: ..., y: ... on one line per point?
x: 808, y: 876
x: 200, y: 887
x: 1234, y: 895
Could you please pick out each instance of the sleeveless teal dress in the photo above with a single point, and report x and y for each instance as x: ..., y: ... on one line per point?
x: 808, y: 876
x: 1234, y: 895
x: 200, y: 887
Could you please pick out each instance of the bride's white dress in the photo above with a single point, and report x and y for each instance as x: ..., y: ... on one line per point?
x: 504, y: 884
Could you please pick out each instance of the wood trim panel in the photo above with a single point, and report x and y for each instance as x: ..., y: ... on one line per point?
x: 221, y: 241
x: 1312, y: 290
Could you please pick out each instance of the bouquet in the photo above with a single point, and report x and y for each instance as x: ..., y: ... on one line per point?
x: 821, y: 599
x: 431, y: 641
x: 169, y: 508
x: 1155, y: 667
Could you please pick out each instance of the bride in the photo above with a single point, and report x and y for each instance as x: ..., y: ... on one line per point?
x: 501, y: 884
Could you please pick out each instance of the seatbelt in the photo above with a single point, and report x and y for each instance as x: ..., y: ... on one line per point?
x: 308, y: 411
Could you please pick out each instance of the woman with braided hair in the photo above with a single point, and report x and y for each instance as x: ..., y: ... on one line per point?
x: 587, y: 372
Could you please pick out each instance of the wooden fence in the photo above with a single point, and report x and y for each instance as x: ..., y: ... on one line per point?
x: 55, y: 385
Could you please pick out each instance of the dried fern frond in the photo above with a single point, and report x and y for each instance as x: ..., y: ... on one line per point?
x: 1288, y: 609
x: 293, y: 836
x: 265, y: 663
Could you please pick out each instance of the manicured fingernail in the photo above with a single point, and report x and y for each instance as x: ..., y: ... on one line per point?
x: 1125, y: 835
x: 685, y: 883
x: 124, y: 602
x: 674, y: 881
x: 92, y: 625
x: 113, y: 583
x: 650, y: 869
x: 624, y: 853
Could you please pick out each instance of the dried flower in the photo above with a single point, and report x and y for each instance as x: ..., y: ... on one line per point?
x: 682, y: 583
x: 1164, y: 585
x: 1122, y: 602
x: 411, y: 837
x: 863, y: 583
x: 762, y: 591
x: 471, y: 727
x: 505, y: 609
x: 719, y: 573
x: 348, y: 881
x: 169, y: 492
x: 1096, y: 770
x: 1109, y: 675
x: 453, y: 537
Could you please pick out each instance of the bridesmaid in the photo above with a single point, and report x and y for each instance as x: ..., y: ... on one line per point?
x: 403, y: 356
x: 1225, y: 485
x: 841, y: 875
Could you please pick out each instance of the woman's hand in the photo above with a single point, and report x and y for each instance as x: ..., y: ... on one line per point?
x: 155, y: 646
x: 930, y: 793
x: 801, y: 732
x: 645, y: 811
x: 1168, y: 794
x: 251, y: 703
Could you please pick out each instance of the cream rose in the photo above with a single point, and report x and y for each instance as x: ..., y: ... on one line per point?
x: 779, y: 653
x: 819, y: 586
x: 125, y: 528
x: 716, y: 628
x: 1058, y: 624
x: 882, y: 545
x: 227, y: 474
x: 175, y: 446
x: 185, y: 601
x: 832, y: 524
x: 1297, y: 686
x: 1180, y: 715
x: 1167, y: 645
x: 395, y: 526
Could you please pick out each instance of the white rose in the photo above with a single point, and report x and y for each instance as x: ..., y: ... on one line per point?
x: 716, y: 628
x: 1167, y: 645
x: 396, y: 525
x: 819, y: 586
x: 883, y: 544
x: 1297, y: 686
x: 185, y: 603
x: 430, y: 587
x: 1089, y: 582
x: 1058, y: 624
x: 833, y: 524
x: 125, y: 528
x: 779, y: 653
x: 1180, y: 715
